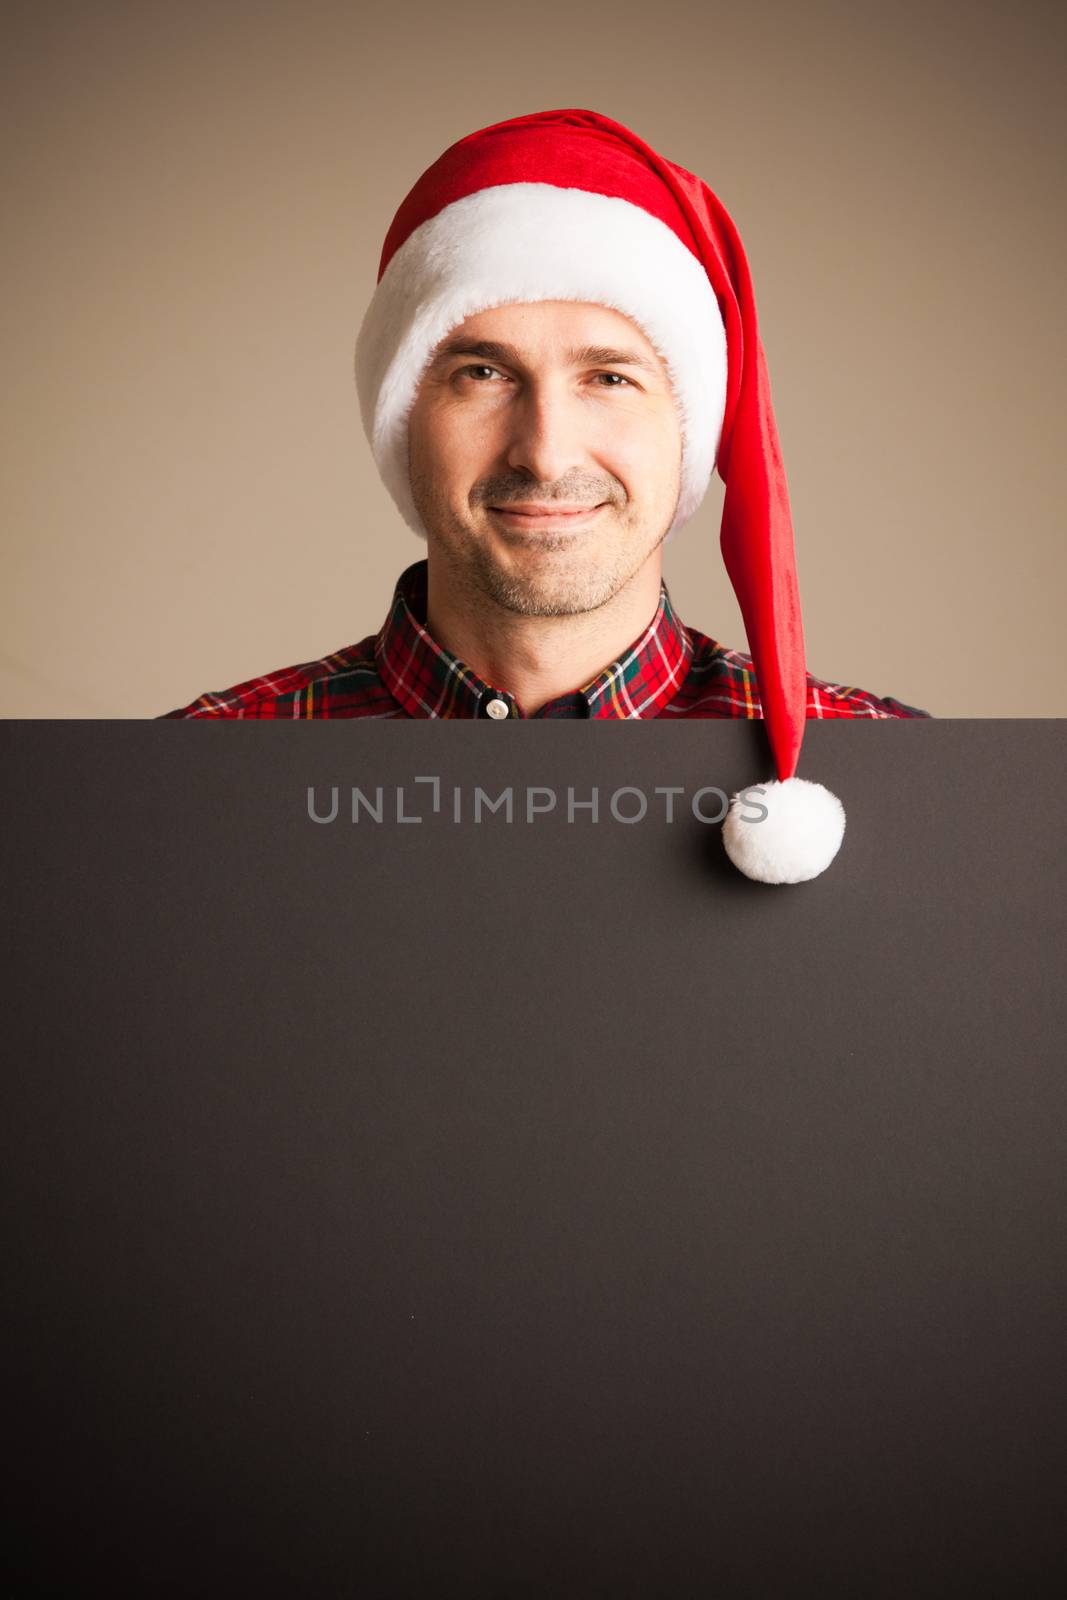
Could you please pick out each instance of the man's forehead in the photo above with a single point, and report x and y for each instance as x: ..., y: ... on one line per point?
x: 576, y: 332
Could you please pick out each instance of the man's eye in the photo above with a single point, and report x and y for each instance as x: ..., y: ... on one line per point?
x: 616, y: 375
x: 469, y: 371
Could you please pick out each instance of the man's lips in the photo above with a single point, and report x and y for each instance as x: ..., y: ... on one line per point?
x: 539, y: 515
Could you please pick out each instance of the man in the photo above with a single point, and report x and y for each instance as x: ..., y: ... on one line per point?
x: 561, y: 347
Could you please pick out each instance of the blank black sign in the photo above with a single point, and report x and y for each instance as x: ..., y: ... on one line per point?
x: 531, y: 1206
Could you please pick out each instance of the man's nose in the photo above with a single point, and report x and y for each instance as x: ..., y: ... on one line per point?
x: 546, y: 433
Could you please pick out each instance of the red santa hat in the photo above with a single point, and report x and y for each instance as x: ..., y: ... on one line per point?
x: 569, y: 205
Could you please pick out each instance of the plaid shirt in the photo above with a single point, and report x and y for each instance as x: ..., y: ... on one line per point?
x: 401, y: 671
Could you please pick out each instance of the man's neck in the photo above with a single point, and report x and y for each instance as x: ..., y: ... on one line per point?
x: 537, y: 659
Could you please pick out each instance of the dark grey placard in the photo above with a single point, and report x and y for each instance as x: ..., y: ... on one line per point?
x: 532, y: 1208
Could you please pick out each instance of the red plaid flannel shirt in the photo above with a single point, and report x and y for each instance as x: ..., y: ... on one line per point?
x: 401, y: 671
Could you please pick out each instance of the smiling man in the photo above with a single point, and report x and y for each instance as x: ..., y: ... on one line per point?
x: 545, y: 458
x: 561, y: 348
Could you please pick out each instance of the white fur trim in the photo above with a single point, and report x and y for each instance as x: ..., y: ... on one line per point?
x: 797, y: 839
x: 522, y: 242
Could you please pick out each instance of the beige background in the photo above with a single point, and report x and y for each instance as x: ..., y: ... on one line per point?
x: 197, y: 196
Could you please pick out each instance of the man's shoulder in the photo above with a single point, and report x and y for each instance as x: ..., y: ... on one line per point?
x: 345, y: 683
x: 724, y: 681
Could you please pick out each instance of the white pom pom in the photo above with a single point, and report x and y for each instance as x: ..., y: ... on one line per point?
x: 796, y: 840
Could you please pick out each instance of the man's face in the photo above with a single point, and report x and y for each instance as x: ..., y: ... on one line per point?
x: 557, y: 407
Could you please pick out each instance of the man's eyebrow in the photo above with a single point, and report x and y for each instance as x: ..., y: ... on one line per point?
x: 605, y: 355
x: 591, y: 355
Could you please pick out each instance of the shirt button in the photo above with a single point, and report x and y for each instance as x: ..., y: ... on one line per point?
x: 497, y: 709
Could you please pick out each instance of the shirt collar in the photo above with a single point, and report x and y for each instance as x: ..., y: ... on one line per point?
x: 428, y: 681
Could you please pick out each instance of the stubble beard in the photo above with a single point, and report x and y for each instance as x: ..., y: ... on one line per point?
x: 551, y: 584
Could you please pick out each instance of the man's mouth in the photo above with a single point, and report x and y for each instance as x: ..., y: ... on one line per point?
x: 547, y: 516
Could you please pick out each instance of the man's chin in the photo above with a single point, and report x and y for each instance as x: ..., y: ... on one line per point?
x: 554, y: 583
x: 543, y: 575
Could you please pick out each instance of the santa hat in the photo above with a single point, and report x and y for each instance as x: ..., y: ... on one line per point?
x: 569, y: 205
